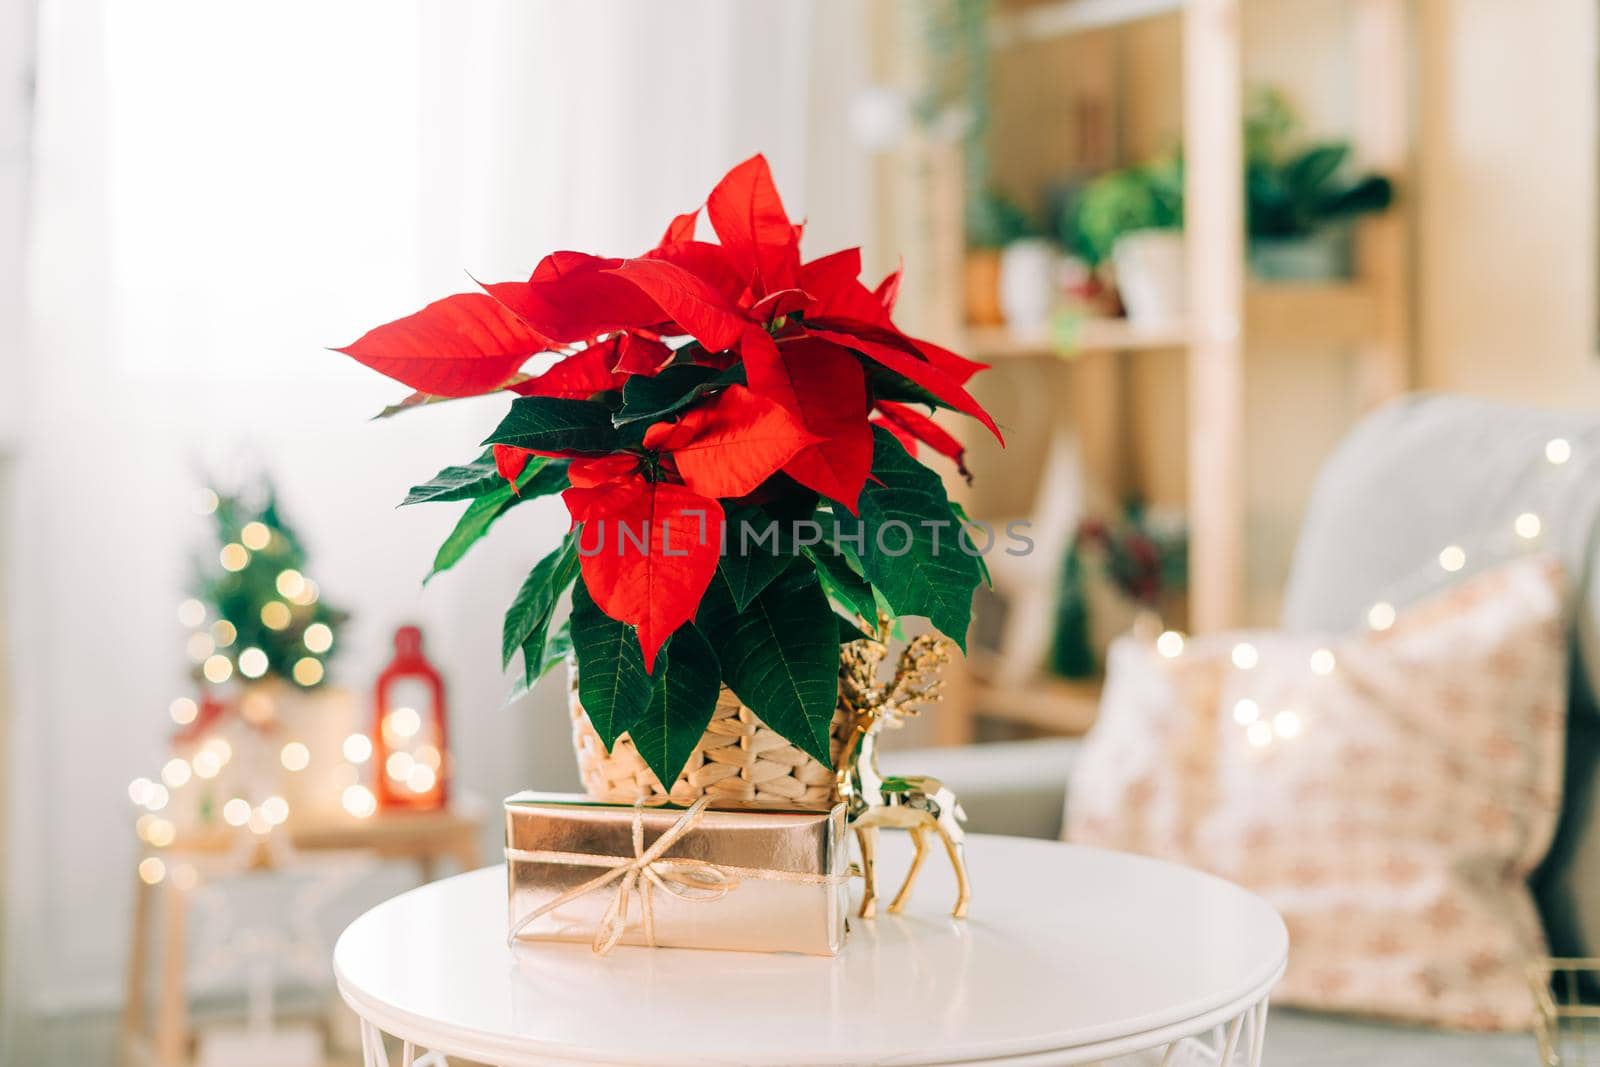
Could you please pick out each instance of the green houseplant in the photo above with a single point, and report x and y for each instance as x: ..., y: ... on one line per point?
x: 1144, y: 197
x: 1297, y: 200
x: 734, y: 433
x: 1133, y: 218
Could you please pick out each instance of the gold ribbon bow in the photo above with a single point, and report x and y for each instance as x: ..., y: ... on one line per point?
x: 693, y: 881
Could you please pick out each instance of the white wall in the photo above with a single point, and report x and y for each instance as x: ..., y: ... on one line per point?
x: 1507, y: 230
x: 186, y: 277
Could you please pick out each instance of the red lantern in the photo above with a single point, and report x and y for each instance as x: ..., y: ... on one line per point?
x: 411, y: 763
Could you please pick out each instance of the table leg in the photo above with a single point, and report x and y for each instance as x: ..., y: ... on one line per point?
x: 133, y: 1020
x: 172, y: 1009
x: 1258, y: 1038
x: 1243, y: 1036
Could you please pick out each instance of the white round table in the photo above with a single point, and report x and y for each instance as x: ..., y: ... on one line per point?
x: 1071, y: 955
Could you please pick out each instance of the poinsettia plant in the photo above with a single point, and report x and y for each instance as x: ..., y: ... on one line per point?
x: 734, y: 432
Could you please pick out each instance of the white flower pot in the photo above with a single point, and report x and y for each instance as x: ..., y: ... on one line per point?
x: 1150, y: 276
x: 1027, y: 283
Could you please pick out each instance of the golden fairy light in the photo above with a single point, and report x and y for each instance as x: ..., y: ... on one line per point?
x: 318, y: 637
x: 1452, y: 558
x: 156, y: 797
x: 308, y: 594
x: 255, y: 535
x: 290, y: 583
x: 307, y: 671
x: 234, y: 556
x: 1381, y: 615
x: 1286, y: 724
x: 191, y: 612
x: 185, y: 876
x: 252, y: 663
x: 275, y: 615
x: 1322, y: 661
x: 257, y: 708
x: 399, y: 765
x: 220, y: 747
x: 207, y: 764
x: 420, y: 778
x: 152, y: 870
x: 205, y: 501
x: 139, y: 790
x: 1558, y: 450
x: 359, y: 801
x: 1170, y: 644
x: 176, y: 772
x: 1246, y: 711
x: 183, y: 711
x: 236, y: 812
x: 218, y: 669
x: 224, y: 633
x: 295, y: 756
x: 1527, y: 526
x: 161, y: 833
x: 403, y: 722
x: 1245, y: 656
x: 358, y: 748
x: 276, y: 810
x: 199, y: 646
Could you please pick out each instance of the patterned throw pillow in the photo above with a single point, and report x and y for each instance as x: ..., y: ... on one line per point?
x: 1388, y: 791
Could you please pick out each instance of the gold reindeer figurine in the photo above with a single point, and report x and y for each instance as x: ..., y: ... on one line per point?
x: 916, y: 803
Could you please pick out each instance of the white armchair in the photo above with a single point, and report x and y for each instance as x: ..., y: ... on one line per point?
x: 1425, y: 472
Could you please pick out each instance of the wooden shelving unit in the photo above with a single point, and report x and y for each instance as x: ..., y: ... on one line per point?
x: 1289, y: 313
x: 1368, y: 314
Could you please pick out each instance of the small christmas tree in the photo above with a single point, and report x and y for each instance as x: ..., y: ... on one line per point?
x: 254, y: 612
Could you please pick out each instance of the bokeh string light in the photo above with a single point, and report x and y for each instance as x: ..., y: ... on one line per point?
x: 253, y: 620
x: 1520, y: 533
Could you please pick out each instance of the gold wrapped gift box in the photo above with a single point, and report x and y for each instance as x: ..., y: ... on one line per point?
x: 764, y: 880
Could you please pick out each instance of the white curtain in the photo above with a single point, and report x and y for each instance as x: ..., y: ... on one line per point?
x: 221, y: 191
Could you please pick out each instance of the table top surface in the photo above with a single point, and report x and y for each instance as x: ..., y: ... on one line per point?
x: 1069, y: 954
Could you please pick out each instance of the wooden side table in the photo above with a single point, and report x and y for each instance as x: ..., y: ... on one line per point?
x: 425, y: 838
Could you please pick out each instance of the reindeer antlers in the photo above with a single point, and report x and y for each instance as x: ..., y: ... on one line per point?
x: 916, y: 678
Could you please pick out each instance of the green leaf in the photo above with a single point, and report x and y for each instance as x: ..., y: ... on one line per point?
x: 554, y: 424
x: 887, y: 385
x: 543, y: 649
x: 964, y: 520
x: 675, y: 388
x: 1310, y: 170
x: 557, y: 646
x: 920, y: 569
x: 536, y: 600
x: 612, y: 683
x: 541, y: 477
x: 841, y: 582
x: 466, y: 482
x: 753, y: 559
x: 780, y: 656
x: 683, y: 695
x: 415, y: 400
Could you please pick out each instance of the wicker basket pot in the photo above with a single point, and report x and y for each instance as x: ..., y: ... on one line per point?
x: 738, y: 761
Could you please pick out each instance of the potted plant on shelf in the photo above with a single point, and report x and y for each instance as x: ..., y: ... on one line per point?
x: 1299, y: 207
x: 734, y: 433
x: 1133, y: 218
x: 994, y: 223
